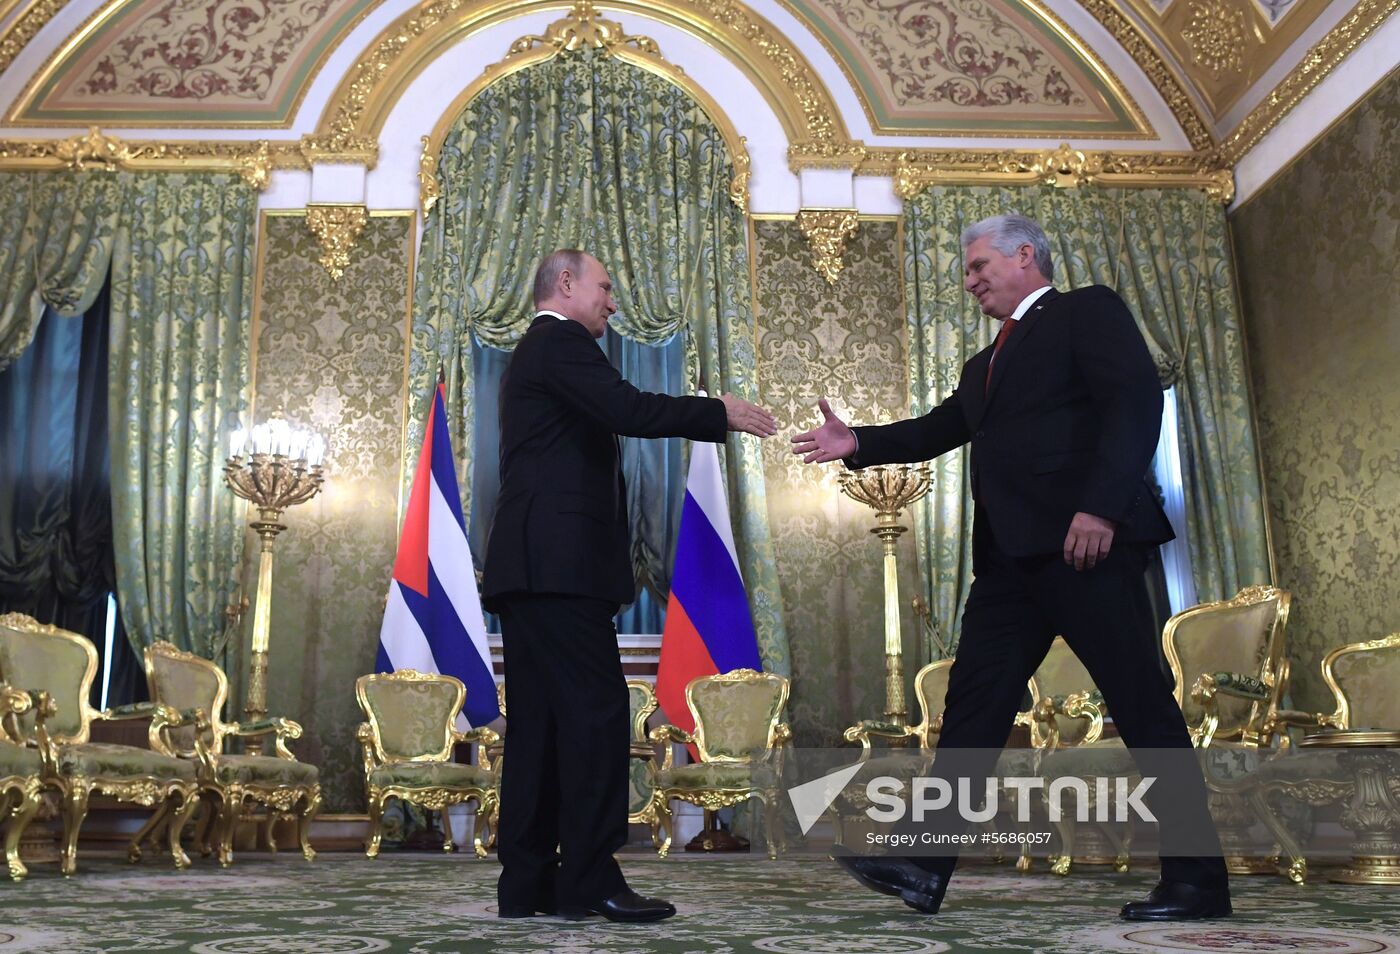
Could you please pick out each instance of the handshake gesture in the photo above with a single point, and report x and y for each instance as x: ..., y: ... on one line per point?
x: 832, y: 441
x: 748, y: 418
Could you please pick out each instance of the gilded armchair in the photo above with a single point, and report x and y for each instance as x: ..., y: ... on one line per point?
x: 281, y: 783
x: 1363, y: 678
x: 63, y: 665
x: 739, y: 737
x: 641, y: 791
x: 21, y: 770
x: 930, y: 686
x: 1230, y: 673
x: 407, y: 745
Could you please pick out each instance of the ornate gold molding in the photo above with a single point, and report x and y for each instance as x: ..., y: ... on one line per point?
x: 428, y: 189
x: 816, y: 154
x: 253, y: 160
x: 739, y: 185
x: 827, y: 231
x: 584, y: 27
x: 337, y: 228
x: 1320, y: 60
x: 914, y: 170
x: 25, y: 28
x: 1183, y: 106
x: 340, y: 148
x: 376, y: 81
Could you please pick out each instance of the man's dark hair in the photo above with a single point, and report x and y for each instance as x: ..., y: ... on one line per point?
x: 547, y: 275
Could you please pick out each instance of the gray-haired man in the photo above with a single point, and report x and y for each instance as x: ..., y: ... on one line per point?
x: 1062, y: 415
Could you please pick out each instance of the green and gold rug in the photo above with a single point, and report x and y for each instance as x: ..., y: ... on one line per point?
x: 426, y: 904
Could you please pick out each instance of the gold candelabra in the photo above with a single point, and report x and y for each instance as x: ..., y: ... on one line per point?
x: 888, y: 490
x: 283, y: 469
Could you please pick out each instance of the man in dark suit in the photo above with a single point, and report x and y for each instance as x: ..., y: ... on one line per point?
x: 1063, y: 415
x: 558, y: 566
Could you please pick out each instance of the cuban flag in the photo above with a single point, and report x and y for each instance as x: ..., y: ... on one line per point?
x: 433, y: 620
x: 709, y: 628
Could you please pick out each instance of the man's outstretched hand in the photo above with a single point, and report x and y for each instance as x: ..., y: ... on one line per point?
x: 832, y: 441
x: 749, y: 418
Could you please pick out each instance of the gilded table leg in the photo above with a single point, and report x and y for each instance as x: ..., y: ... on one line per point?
x: 229, y: 812
x: 1373, y: 816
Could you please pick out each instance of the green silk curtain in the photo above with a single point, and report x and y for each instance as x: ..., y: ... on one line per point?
x: 588, y: 151
x: 56, y: 236
x: 1167, y: 253
x: 180, y: 249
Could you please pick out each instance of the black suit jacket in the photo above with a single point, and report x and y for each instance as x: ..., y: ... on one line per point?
x: 1069, y: 423
x: 560, y: 524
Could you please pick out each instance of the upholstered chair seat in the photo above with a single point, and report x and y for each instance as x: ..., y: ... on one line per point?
x: 408, y: 744
x: 432, y: 775
x: 739, y: 736
x: 63, y: 665
x: 231, y: 783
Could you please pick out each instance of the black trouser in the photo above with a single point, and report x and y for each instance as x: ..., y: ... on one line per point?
x: 564, y: 784
x: 1014, y: 611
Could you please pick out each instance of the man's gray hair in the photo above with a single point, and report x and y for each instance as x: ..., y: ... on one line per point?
x: 547, y: 274
x: 1007, y: 233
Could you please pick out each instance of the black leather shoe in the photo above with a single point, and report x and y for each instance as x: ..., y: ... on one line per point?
x: 1179, y: 901
x: 627, y: 906
x: 921, y: 890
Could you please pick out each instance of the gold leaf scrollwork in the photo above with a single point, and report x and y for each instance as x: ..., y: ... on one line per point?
x: 342, y: 148
x: 1066, y: 168
x: 92, y: 151
x: 428, y: 189
x: 827, y: 231
x: 1216, y: 35
x: 739, y: 185
x: 258, y: 171
x: 906, y: 184
x: 337, y: 228
x: 583, y: 27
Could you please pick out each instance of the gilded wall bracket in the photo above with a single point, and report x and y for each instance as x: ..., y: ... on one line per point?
x: 429, y: 191
x: 337, y: 228
x: 827, y: 231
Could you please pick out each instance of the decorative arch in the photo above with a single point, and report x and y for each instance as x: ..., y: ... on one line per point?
x: 357, y: 110
x: 584, y: 27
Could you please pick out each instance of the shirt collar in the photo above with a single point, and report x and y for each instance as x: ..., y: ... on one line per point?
x: 552, y: 314
x: 1026, y: 302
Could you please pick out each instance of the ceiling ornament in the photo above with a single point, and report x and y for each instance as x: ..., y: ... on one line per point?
x: 1135, y: 42
x: 191, y: 63
x: 990, y: 68
x: 1217, y: 36
x: 254, y: 161
x: 1317, y: 63
x: 827, y: 231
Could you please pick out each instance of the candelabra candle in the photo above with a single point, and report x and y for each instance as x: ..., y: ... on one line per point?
x: 282, y: 470
x: 888, y: 490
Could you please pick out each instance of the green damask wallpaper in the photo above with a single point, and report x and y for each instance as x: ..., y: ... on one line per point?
x: 847, y: 343
x: 331, y: 354
x: 1316, y: 254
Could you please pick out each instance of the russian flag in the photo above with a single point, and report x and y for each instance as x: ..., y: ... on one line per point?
x: 709, y: 628
x: 433, y: 620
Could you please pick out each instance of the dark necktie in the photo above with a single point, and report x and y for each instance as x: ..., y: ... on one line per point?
x: 1006, y: 325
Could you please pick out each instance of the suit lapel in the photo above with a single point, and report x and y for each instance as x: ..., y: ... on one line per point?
x: 1018, y: 334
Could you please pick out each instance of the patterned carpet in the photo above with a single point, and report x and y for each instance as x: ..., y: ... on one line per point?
x: 426, y: 904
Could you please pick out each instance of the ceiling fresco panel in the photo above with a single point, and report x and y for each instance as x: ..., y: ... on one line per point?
x: 955, y: 67
x: 208, y: 62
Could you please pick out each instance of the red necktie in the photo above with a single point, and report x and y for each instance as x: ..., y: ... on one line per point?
x: 1006, y: 325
